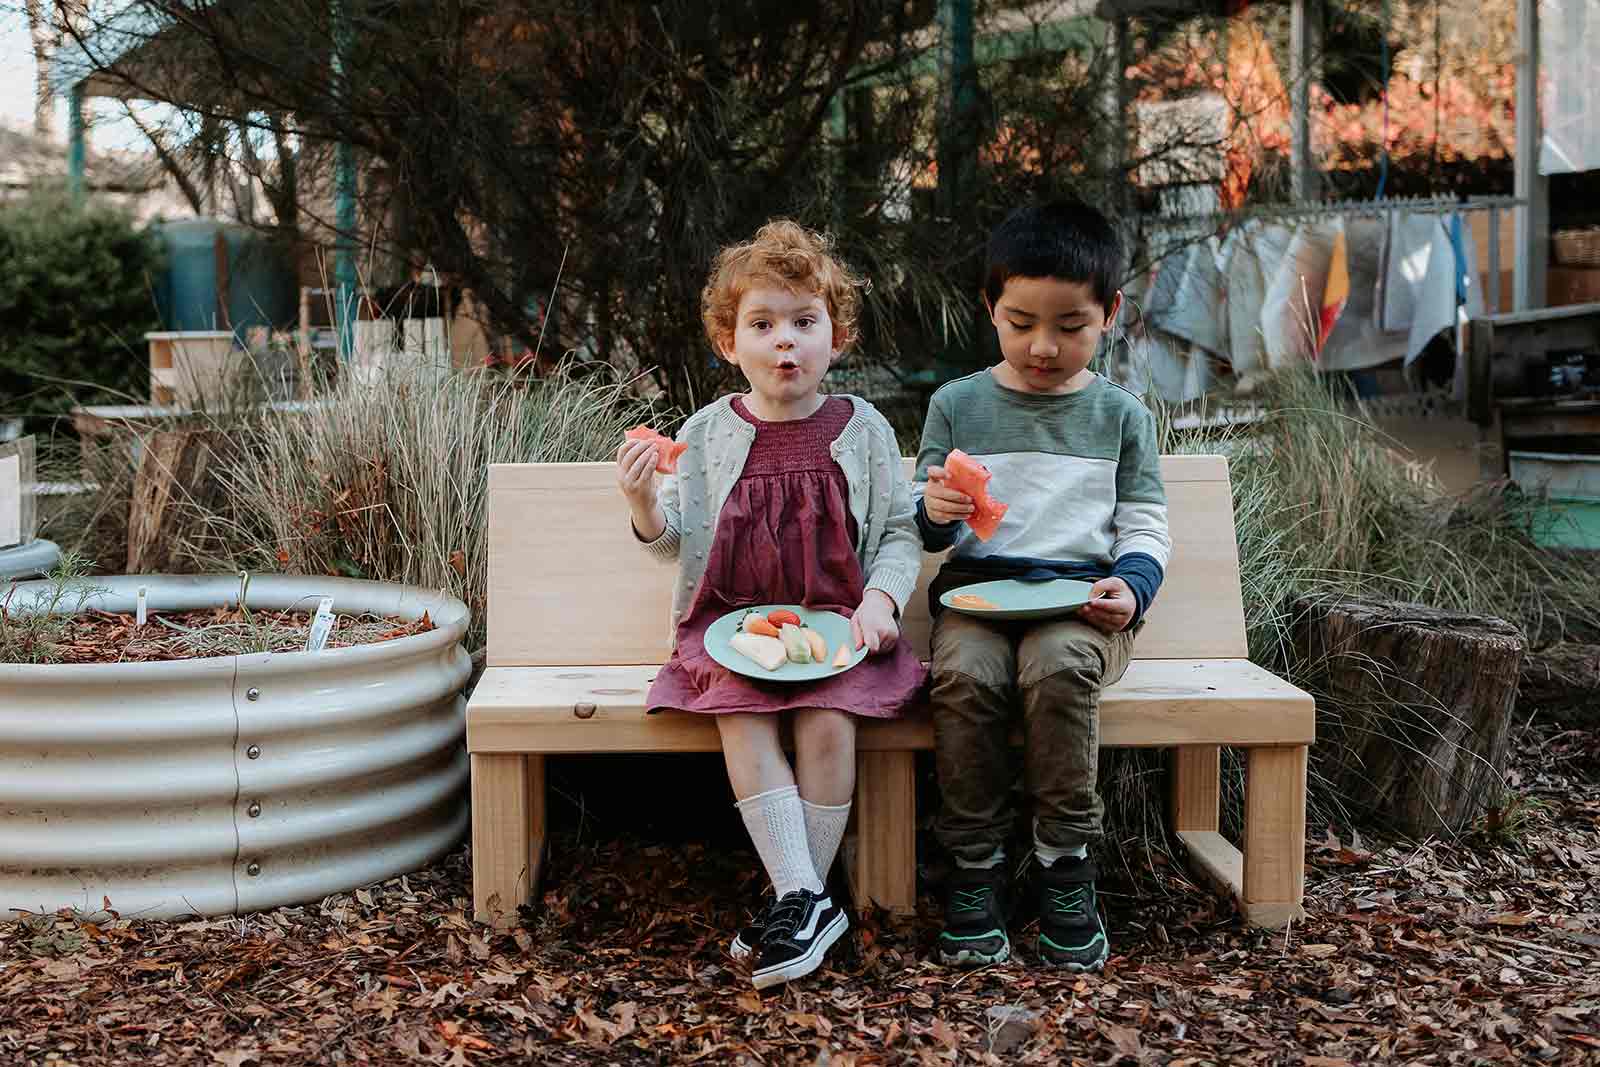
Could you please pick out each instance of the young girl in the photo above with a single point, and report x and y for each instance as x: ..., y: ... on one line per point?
x: 784, y: 495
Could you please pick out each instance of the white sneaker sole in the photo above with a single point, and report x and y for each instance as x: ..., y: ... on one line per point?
x: 801, y: 966
x: 739, y: 950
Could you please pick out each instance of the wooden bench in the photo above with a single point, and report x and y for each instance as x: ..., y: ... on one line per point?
x: 578, y: 624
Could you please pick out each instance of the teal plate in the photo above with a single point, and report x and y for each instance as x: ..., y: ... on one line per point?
x: 834, y: 628
x: 1022, y: 600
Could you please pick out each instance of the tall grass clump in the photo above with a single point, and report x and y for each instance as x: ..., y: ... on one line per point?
x: 1326, y: 504
x: 388, y: 479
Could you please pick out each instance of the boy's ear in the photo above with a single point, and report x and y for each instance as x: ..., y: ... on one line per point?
x: 1116, y: 306
x: 725, y: 349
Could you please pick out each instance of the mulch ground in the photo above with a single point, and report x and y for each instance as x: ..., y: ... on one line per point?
x: 110, y: 637
x: 1484, y: 949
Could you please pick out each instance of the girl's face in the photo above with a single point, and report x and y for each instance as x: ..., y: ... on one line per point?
x: 1049, y: 329
x: 783, y: 342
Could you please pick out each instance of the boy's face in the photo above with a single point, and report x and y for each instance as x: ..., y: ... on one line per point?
x: 1049, y: 330
x: 783, y: 341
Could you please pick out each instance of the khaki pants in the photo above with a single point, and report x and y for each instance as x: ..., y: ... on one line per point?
x: 1051, y: 672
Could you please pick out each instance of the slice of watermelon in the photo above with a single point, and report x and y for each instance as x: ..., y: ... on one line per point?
x: 966, y: 475
x: 667, y: 452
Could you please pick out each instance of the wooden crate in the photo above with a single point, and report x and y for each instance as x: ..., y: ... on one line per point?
x: 190, y: 368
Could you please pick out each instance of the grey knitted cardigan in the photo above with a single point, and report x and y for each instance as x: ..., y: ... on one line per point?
x: 887, y: 543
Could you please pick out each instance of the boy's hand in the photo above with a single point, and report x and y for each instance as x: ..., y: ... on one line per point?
x: 1111, y: 605
x: 873, y: 623
x: 636, y: 476
x: 942, y: 503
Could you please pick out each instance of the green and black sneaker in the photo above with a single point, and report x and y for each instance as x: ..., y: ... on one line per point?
x: 975, y: 911
x: 1071, y: 934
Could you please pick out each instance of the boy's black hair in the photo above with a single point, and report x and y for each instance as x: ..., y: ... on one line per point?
x: 1065, y: 239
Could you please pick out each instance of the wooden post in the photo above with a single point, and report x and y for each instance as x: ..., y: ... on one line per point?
x: 883, y: 868
x: 1274, y: 835
x: 505, y: 847
x: 1305, y: 25
x: 1529, y: 272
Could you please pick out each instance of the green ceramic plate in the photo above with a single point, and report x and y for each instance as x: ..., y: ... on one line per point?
x: 834, y: 628
x: 1022, y: 600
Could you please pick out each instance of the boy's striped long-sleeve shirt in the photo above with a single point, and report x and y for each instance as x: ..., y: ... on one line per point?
x: 1080, y: 473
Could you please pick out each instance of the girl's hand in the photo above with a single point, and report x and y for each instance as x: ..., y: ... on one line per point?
x: 1111, y: 605
x: 636, y: 473
x: 636, y: 476
x: 873, y: 623
x: 943, y: 504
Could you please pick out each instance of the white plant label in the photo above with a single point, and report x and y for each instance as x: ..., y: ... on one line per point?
x: 139, y: 606
x: 10, y: 501
x: 321, y: 625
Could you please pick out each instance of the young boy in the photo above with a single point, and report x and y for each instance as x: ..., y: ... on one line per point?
x: 1074, y: 456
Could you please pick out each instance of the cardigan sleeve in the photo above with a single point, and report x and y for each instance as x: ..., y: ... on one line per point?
x: 897, y: 564
x: 665, y: 546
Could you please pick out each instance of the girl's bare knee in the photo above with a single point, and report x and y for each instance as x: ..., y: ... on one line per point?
x: 823, y: 733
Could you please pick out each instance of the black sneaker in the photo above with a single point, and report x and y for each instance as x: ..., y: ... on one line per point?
x: 747, y: 940
x: 1071, y: 934
x: 975, y: 912
x: 800, y: 928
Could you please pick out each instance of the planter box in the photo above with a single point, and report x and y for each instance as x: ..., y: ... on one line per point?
x: 233, y: 783
x: 1571, y: 519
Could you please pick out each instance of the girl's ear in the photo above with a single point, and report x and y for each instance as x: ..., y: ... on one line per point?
x: 725, y: 349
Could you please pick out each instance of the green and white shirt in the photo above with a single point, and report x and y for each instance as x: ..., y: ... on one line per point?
x: 1079, y: 472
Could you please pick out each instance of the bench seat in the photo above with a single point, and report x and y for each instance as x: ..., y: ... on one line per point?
x: 1158, y: 703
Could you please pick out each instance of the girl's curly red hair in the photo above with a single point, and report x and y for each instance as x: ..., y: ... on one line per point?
x: 784, y: 253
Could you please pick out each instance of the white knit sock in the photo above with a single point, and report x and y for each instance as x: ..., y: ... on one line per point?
x: 777, y: 825
x: 825, y: 825
x: 1048, y: 854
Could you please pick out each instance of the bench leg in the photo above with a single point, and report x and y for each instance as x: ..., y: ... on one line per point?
x: 1274, y: 835
x: 883, y: 866
x: 508, y: 831
x: 1196, y: 788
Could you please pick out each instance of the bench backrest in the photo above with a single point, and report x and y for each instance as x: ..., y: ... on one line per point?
x: 569, y: 585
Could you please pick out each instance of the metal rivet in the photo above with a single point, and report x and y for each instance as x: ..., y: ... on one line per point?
x: 252, y: 693
x: 253, y: 869
x: 583, y: 710
x: 254, y: 752
x: 254, y: 810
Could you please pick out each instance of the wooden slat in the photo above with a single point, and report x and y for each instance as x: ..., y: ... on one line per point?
x: 1157, y: 703
x: 568, y: 582
x: 1216, y: 860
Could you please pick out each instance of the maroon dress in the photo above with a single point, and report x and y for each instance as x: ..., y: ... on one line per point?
x: 785, y: 536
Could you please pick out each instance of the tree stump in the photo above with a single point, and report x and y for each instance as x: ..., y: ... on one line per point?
x: 1562, y: 684
x: 1414, y: 707
x: 173, y: 462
